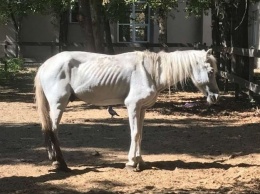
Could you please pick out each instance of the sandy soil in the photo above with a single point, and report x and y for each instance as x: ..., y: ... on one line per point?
x: 190, y: 147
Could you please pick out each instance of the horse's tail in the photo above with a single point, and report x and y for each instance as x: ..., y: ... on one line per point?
x: 51, y: 140
x: 42, y: 105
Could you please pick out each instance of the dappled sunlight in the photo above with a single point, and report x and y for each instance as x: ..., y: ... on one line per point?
x: 189, y: 147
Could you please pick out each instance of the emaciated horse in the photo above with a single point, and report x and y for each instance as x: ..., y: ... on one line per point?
x: 133, y: 79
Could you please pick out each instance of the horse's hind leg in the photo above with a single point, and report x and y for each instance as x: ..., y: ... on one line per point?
x: 51, y: 136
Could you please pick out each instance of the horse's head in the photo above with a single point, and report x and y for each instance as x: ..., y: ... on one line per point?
x: 204, y: 77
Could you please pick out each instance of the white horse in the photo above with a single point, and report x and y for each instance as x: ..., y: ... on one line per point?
x: 133, y: 79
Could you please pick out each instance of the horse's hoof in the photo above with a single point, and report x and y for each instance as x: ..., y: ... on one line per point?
x: 60, y: 168
x: 138, y: 168
x: 142, y: 166
x: 130, y: 168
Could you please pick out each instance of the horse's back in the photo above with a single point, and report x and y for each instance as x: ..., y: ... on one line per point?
x: 91, y: 77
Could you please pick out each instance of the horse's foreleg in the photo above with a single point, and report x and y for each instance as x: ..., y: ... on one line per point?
x: 134, y: 155
x: 139, y: 159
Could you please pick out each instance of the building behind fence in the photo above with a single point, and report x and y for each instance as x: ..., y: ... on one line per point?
x: 39, y: 40
x: 39, y: 37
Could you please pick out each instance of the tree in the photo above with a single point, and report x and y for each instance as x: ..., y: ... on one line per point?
x: 88, y: 17
x: 162, y: 9
x: 228, y: 17
x: 98, y: 16
x: 230, y: 29
x: 15, y: 11
x: 59, y: 9
x: 116, y: 10
x: 85, y: 21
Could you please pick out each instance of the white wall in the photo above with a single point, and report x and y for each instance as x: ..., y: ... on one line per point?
x: 7, y: 33
x: 38, y: 28
x: 254, y: 29
x: 182, y: 29
x: 207, y: 29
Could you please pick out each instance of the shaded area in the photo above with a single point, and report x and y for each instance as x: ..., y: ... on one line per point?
x: 175, y: 104
x: 90, y: 145
x: 196, y: 137
x: 172, y: 165
x: 39, y: 185
x: 34, y: 184
x: 20, y: 88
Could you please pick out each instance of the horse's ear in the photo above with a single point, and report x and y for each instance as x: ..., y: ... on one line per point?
x: 209, y: 52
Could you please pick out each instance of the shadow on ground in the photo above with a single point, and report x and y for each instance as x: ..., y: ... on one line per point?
x: 196, y: 137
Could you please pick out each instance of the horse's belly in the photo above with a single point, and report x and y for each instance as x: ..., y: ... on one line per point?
x: 103, y: 96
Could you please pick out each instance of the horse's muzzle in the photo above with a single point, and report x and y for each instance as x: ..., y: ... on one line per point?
x: 212, y: 98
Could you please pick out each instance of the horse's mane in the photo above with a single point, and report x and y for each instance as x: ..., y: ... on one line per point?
x: 153, y: 59
x: 177, y: 66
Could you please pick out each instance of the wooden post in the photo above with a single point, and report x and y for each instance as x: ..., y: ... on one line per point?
x: 227, y: 68
x: 52, y: 48
x: 6, y: 55
x: 251, y: 77
x: 234, y: 68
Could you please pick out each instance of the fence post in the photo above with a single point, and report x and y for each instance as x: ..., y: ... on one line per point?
x: 52, y: 48
x: 251, y: 67
x: 6, y: 55
x: 234, y: 72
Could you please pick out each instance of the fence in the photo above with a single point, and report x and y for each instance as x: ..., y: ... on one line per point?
x: 53, y: 47
x: 249, y: 83
x: 241, y: 83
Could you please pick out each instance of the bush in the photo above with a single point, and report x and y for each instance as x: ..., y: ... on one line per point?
x: 10, y: 67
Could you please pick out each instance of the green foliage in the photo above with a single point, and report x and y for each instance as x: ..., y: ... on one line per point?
x: 57, y: 6
x: 14, y: 64
x: 10, y: 67
x: 165, y: 5
x: 17, y: 8
x: 198, y: 7
x: 116, y: 9
x: 21, y: 8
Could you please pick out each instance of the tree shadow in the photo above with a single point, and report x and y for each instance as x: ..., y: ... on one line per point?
x: 197, y: 137
x: 237, y: 187
x: 31, y: 184
x: 226, y: 105
x: 20, y: 89
x: 161, y: 136
x: 173, y: 165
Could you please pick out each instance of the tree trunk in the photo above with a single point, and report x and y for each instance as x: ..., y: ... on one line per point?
x: 85, y: 21
x: 239, y: 37
x: 109, y: 43
x: 98, y: 25
x: 162, y: 23
x: 221, y: 36
x: 63, y: 33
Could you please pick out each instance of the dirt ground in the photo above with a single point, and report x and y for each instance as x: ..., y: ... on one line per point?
x: 190, y: 147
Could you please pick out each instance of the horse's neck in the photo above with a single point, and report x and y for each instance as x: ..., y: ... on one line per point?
x: 173, y: 70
